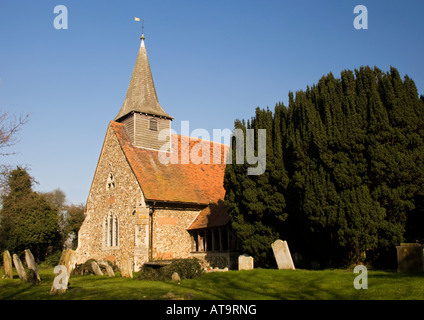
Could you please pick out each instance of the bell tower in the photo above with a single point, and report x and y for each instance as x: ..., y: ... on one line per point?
x: 143, y: 116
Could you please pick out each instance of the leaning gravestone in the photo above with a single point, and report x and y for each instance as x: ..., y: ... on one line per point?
x: 19, y: 267
x: 66, y: 264
x: 245, y: 262
x: 96, y: 268
x: 282, y: 255
x: 30, y: 261
x: 7, y: 264
x: 109, y: 269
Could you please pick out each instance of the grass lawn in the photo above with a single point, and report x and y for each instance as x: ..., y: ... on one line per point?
x: 258, y: 284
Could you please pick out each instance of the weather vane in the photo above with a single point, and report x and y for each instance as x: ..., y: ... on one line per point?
x: 142, y: 24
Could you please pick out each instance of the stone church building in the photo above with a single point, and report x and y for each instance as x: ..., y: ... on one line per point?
x: 144, y: 208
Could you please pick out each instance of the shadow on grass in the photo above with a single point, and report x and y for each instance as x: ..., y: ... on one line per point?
x: 260, y: 285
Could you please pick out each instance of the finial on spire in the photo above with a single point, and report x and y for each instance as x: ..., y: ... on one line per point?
x: 142, y: 28
x: 142, y: 33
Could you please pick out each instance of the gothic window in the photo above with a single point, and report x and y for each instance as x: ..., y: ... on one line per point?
x: 110, y: 230
x: 153, y: 124
x: 110, y: 184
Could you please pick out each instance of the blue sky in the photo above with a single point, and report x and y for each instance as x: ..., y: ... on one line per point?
x: 212, y: 62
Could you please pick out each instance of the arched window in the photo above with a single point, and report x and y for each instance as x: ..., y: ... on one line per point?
x: 110, y: 230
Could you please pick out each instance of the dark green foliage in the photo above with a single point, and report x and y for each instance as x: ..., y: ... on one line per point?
x: 256, y: 203
x: 53, y: 258
x: 186, y: 269
x: 345, y: 171
x: 28, y: 221
x: 73, y: 218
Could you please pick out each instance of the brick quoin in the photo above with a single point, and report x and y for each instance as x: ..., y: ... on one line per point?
x: 110, y: 200
x: 167, y: 220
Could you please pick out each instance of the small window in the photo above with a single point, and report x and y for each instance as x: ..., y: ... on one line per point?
x: 110, y: 184
x: 153, y: 125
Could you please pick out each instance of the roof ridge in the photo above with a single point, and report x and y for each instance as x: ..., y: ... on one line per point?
x: 205, y: 140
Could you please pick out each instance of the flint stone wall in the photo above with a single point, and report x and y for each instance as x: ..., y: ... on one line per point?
x: 171, y: 239
x: 125, y: 200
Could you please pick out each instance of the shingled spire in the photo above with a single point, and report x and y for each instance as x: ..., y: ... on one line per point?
x: 141, y: 95
x: 141, y: 112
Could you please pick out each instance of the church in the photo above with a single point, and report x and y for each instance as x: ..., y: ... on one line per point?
x: 145, y: 203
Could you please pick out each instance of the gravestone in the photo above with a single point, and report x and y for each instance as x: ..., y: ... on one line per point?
x: 19, y: 267
x: 245, y: 262
x: 126, y: 270
x: 282, y: 255
x: 109, y: 269
x: 67, y: 261
x: 175, y: 277
x: 410, y: 257
x: 7, y: 264
x: 30, y: 261
x: 96, y: 268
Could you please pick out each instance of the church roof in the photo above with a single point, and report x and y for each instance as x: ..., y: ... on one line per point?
x: 214, y: 215
x: 178, y: 183
x: 141, y: 94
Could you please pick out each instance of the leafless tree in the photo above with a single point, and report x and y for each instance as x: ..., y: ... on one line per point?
x: 9, y: 127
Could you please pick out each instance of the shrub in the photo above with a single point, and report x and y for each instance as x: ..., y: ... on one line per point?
x: 186, y: 269
x: 53, y: 258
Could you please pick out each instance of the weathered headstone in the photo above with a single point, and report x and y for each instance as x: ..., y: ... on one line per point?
x: 175, y: 277
x: 32, y: 277
x: 7, y: 264
x: 245, y: 262
x: 108, y: 268
x: 410, y: 257
x: 282, y: 255
x: 19, y: 267
x: 96, y: 268
x: 66, y: 264
x: 126, y: 269
x: 30, y: 261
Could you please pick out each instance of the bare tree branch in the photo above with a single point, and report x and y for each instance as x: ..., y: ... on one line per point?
x: 9, y: 127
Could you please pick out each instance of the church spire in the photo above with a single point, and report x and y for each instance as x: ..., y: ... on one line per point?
x: 141, y: 94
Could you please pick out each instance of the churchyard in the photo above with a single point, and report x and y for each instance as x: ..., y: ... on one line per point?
x: 43, y: 282
x: 257, y: 284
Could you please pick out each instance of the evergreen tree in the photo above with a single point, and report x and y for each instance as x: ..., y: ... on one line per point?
x: 344, y: 181
x: 28, y: 221
x: 256, y: 203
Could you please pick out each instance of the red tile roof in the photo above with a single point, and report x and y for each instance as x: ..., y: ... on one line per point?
x: 214, y: 215
x: 179, y: 183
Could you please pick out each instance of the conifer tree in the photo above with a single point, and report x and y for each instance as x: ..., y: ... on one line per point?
x: 256, y: 203
x: 345, y: 171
